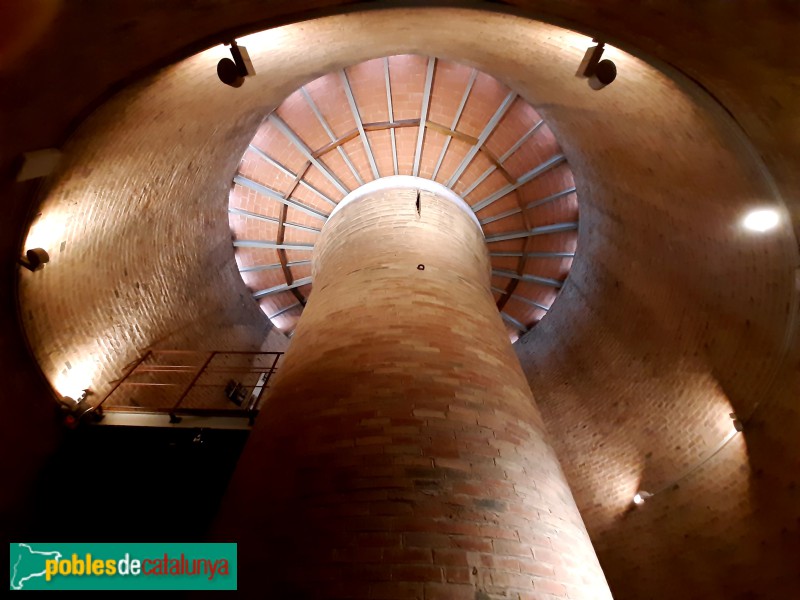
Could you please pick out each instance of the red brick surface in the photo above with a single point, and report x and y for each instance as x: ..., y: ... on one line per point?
x: 401, y: 454
x: 673, y: 307
x: 407, y: 75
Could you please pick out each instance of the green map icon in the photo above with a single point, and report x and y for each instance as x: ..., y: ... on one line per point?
x: 28, y: 564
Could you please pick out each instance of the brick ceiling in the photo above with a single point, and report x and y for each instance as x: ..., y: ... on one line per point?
x: 352, y: 126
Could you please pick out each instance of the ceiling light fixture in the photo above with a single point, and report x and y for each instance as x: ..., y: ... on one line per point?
x: 599, y: 72
x: 761, y: 220
x: 34, y: 259
x: 737, y: 424
x: 233, y: 71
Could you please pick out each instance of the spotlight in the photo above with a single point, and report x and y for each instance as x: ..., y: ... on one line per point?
x: 599, y: 72
x: 35, y: 259
x: 641, y: 496
x: 38, y: 163
x: 737, y: 424
x: 761, y: 220
x: 75, y: 409
x: 233, y: 72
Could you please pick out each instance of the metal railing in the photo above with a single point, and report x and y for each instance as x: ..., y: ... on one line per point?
x: 194, y: 383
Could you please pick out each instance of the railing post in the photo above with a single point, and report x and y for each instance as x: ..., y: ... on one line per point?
x: 124, y: 377
x: 257, y: 402
x: 191, y: 383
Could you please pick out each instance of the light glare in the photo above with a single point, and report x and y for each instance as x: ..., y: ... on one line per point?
x: 46, y: 233
x: 72, y: 381
x: 761, y: 220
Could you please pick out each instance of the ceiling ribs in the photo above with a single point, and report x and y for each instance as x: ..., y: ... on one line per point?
x: 391, y: 112
x: 527, y: 177
x: 514, y: 322
x: 498, y: 162
x: 423, y: 115
x: 284, y: 262
x: 514, y: 268
x: 535, y: 254
x: 487, y: 131
x: 264, y: 156
x: 275, y: 195
x: 259, y: 217
x: 543, y: 230
x: 451, y: 133
x: 534, y: 204
x: 530, y: 302
x: 391, y: 126
x: 273, y: 245
x: 556, y: 196
x: 283, y: 287
x: 284, y: 310
x: 527, y: 277
x: 357, y: 116
x: 306, y: 151
x: 253, y: 268
x: 472, y: 76
x: 331, y: 135
x: 523, y: 258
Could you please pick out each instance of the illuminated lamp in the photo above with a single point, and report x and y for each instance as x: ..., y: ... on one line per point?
x: 761, y: 220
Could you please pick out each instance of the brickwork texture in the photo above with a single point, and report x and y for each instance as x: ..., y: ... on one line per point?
x: 673, y: 317
x: 401, y: 454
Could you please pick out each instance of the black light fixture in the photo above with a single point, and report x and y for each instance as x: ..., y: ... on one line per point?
x: 233, y: 71
x: 75, y: 409
x: 34, y: 259
x: 737, y: 423
x: 599, y: 72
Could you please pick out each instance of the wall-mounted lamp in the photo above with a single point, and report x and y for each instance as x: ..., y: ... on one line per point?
x: 599, y: 72
x: 80, y: 402
x: 233, y: 71
x: 34, y: 259
x: 76, y: 408
x: 641, y: 496
x: 737, y: 424
x: 761, y: 220
x: 38, y: 163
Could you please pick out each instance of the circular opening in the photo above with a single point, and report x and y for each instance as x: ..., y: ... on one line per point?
x: 433, y: 122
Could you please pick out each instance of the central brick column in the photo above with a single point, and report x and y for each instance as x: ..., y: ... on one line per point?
x: 400, y: 453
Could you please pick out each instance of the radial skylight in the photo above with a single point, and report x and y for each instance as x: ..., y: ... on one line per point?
x: 351, y: 127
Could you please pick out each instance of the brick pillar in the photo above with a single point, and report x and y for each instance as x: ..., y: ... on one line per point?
x: 401, y: 454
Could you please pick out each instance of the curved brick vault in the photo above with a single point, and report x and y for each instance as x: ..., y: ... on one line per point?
x: 480, y: 139
x: 671, y: 317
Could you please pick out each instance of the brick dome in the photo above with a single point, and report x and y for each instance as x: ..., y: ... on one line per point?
x: 361, y: 123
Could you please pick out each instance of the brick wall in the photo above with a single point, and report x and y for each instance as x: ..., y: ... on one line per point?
x: 130, y: 271
x: 400, y: 453
x: 675, y: 315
